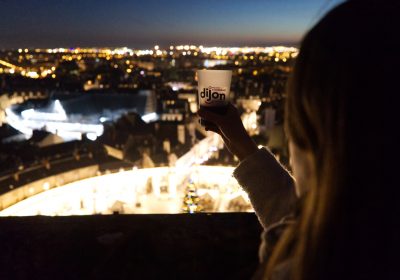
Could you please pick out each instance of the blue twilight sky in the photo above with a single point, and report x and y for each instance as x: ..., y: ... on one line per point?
x: 144, y: 23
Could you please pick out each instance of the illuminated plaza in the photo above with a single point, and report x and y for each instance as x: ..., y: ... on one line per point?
x: 141, y: 191
x: 159, y: 190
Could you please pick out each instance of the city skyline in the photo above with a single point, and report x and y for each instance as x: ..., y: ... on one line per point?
x: 34, y: 24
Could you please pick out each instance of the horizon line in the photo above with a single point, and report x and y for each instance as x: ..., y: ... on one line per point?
x: 161, y: 46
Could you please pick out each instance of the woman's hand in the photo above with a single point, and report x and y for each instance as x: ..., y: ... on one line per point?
x: 231, y: 129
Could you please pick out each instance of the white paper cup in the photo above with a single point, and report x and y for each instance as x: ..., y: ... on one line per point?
x: 213, y: 89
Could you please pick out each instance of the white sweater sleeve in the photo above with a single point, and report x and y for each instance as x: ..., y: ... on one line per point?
x: 269, y: 185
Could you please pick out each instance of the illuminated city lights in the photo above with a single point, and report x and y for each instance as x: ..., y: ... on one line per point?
x: 218, y: 53
x: 182, y: 185
x: 130, y: 188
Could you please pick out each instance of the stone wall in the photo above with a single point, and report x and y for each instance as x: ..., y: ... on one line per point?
x: 182, y: 246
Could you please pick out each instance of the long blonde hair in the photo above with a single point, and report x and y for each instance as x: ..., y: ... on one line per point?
x: 331, y: 95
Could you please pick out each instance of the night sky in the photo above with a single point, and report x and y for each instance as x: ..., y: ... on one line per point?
x: 144, y: 23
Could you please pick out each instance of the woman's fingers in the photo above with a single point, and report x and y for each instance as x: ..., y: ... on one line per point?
x: 231, y: 129
x: 209, y: 116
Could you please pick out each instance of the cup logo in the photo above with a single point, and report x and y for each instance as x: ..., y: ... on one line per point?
x: 211, y: 94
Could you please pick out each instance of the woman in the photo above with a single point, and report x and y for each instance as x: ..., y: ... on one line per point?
x: 336, y: 123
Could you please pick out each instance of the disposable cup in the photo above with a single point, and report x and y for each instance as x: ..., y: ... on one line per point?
x: 214, y: 90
